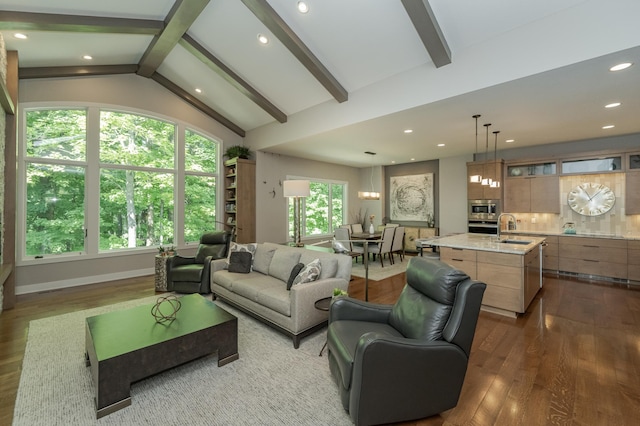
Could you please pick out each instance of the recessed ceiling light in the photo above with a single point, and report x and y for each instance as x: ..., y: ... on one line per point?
x: 303, y: 7
x: 87, y: 57
x: 393, y: 162
x: 510, y: 140
x: 440, y: 144
x: 413, y: 159
x: 408, y: 131
x: 620, y: 67
x: 608, y: 126
x: 263, y: 39
x: 198, y: 90
x: 613, y: 105
x: 20, y: 36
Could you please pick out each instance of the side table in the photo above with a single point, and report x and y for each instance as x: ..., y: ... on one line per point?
x: 323, y: 305
x: 161, y: 272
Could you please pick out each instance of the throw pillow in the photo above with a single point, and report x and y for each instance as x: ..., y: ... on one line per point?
x: 294, y: 273
x: 251, y: 248
x: 240, y: 261
x: 309, y: 273
x: 262, y: 259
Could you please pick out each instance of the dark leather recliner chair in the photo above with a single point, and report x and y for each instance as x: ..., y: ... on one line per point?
x: 191, y: 274
x: 405, y: 361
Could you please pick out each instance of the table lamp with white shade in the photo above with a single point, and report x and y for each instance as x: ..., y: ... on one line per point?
x: 296, y: 189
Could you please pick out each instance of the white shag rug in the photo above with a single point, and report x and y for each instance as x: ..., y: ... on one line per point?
x: 270, y: 384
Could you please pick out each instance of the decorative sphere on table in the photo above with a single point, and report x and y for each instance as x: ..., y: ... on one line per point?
x: 167, y: 303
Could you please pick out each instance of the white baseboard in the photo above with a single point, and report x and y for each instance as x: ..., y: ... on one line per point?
x: 76, y: 282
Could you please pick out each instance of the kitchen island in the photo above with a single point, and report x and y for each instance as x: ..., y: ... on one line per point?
x: 510, y: 266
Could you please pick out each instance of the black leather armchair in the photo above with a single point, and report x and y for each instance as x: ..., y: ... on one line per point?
x: 191, y: 274
x: 405, y: 361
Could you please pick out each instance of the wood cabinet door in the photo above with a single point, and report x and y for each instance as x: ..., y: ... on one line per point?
x: 517, y: 195
x: 632, y: 193
x: 545, y: 194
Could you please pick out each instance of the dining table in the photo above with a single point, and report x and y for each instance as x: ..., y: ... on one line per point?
x: 366, y: 236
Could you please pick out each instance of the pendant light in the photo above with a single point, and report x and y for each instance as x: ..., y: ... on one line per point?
x: 369, y: 195
x: 476, y: 178
x: 496, y: 181
x: 486, y: 180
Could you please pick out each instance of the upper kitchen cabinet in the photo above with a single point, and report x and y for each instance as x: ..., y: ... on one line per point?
x: 532, y: 188
x: 632, y: 190
x: 489, y: 169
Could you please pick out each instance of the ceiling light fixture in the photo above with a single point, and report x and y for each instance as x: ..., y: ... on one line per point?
x: 620, y: 67
x: 198, y: 90
x: 263, y: 39
x: 613, y: 105
x: 510, y: 140
x: 369, y: 195
x: 486, y: 180
x: 303, y: 7
x: 440, y: 144
x: 608, y: 126
x: 408, y: 131
x: 20, y: 36
x: 87, y: 57
x: 476, y: 178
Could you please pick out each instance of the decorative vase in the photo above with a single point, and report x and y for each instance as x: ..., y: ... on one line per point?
x: 371, y: 228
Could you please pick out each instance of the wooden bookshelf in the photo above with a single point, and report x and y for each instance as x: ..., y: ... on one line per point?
x: 240, y: 198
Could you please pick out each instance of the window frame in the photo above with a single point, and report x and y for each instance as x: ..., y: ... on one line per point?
x: 93, y: 167
x: 303, y: 209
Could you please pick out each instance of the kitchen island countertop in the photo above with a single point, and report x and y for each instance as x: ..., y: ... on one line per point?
x: 484, y: 242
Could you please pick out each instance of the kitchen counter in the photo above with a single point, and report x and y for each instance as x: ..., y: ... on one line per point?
x: 633, y: 236
x: 488, y: 243
x: 511, y: 267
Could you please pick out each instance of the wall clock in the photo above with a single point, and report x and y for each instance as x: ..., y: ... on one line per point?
x: 591, y: 199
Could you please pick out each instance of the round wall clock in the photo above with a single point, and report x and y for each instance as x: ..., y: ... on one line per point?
x: 591, y: 199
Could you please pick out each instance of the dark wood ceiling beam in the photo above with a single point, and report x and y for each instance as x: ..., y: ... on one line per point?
x: 77, y: 23
x: 426, y: 25
x: 231, y: 77
x: 75, y: 71
x: 195, y: 102
x: 265, y: 13
x: 182, y: 15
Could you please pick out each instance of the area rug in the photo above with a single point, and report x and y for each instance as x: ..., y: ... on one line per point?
x: 377, y: 272
x: 270, y: 384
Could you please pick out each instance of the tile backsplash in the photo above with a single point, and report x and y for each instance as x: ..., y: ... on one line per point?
x: 614, y: 222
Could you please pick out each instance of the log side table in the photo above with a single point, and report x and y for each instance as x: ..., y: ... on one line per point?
x: 161, y: 272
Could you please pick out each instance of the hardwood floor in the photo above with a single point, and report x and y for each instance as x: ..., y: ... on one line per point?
x: 573, y: 358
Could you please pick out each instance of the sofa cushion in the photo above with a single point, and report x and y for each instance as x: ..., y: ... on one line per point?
x: 328, y: 263
x: 251, y: 286
x: 240, y: 261
x: 309, y: 273
x: 276, y: 298
x: 251, y: 248
x: 262, y: 258
x: 282, y: 263
x: 294, y: 273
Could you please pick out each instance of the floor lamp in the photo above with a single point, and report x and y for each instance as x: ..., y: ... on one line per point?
x: 296, y: 189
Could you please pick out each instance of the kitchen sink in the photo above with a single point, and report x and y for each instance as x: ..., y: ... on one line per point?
x: 522, y: 242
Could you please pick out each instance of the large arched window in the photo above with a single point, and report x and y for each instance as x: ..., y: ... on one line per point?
x: 100, y: 180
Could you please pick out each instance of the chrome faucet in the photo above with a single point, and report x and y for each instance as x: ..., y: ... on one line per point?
x: 500, y: 224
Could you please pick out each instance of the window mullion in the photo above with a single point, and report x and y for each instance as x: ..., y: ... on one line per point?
x: 92, y: 182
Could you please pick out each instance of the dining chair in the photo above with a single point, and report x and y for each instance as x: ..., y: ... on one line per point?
x: 384, y: 246
x: 398, y: 242
x: 356, y: 228
x: 343, y: 235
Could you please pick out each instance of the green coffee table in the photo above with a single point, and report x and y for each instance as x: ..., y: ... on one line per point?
x: 126, y: 346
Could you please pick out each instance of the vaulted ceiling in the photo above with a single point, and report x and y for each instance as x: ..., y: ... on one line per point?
x: 350, y: 76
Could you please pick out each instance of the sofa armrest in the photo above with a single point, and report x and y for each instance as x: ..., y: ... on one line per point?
x: 347, y: 308
x: 218, y: 265
x: 303, y: 297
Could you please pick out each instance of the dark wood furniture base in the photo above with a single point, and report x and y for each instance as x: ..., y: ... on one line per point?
x: 126, y: 346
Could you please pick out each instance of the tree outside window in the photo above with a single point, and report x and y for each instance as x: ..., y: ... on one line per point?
x: 323, y: 210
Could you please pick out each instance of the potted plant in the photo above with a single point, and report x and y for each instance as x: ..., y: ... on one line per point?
x: 237, y: 151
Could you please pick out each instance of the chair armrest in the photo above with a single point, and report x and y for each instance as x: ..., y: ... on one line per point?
x: 347, y: 308
x: 178, y: 260
x: 424, y: 374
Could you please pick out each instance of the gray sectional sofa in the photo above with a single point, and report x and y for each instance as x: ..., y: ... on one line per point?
x: 263, y: 292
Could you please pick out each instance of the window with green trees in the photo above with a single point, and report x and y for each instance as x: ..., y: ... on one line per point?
x: 324, y: 209
x: 117, y: 176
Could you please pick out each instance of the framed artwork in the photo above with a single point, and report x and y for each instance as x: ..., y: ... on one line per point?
x: 411, y: 197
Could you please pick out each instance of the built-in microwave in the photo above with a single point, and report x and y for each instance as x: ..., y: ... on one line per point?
x: 484, y: 209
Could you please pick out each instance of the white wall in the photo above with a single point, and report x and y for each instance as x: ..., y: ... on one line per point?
x: 129, y: 91
x: 452, y: 181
